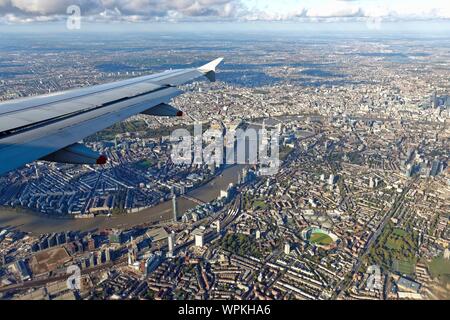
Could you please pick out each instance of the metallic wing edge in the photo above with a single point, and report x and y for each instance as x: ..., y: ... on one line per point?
x: 20, y: 149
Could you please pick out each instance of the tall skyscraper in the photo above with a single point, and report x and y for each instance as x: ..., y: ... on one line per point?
x: 409, y: 171
x: 434, y: 100
x: 436, y: 168
x: 171, y: 244
x: 199, y: 240
x: 99, y: 258
x: 132, y: 256
x: 107, y: 255
x: 91, y: 260
x: 199, y: 236
x: 332, y: 179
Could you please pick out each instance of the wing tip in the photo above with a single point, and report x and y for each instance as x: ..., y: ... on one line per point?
x: 211, y: 66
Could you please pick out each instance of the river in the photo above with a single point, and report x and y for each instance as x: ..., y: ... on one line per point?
x: 38, y: 224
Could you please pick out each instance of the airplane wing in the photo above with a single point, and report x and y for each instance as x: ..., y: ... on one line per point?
x: 49, y: 127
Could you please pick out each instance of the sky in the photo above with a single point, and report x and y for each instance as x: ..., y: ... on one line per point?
x: 29, y: 11
x: 285, y: 9
x: 431, y: 16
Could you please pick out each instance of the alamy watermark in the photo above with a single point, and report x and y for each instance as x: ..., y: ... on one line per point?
x: 374, y: 281
x: 74, y: 17
x: 374, y: 23
x: 74, y: 280
x: 217, y: 147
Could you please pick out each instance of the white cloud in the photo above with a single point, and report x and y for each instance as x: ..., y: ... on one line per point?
x: 335, y: 9
x: 147, y: 9
x: 21, y: 11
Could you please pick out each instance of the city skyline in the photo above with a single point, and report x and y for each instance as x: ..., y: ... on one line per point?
x: 357, y: 207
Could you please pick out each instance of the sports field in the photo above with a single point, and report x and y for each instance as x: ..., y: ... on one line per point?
x: 440, y: 267
x: 404, y: 267
x: 321, y: 239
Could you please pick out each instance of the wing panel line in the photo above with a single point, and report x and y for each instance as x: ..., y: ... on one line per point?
x: 35, y: 125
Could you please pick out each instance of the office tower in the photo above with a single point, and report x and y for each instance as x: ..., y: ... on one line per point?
x: 287, y: 248
x: 99, y: 258
x: 107, y: 255
x: 50, y: 242
x: 171, y: 244
x: 132, y: 257
x: 409, y: 171
x: 58, y: 240
x: 436, y: 168
x: 152, y: 263
x: 199, y: 234
x: 434, y: 100
x: 332, y: 179
x: 42, y: 245
x: 199, y: 240
x: 218, y: 226
x: 263, y: 134
x: 91, y: 261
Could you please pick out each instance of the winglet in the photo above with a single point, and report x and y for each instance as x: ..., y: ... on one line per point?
x: 209, y: 70
x: 211, y: 66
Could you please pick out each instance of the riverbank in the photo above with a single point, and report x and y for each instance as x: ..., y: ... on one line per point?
x: 38, y: 224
